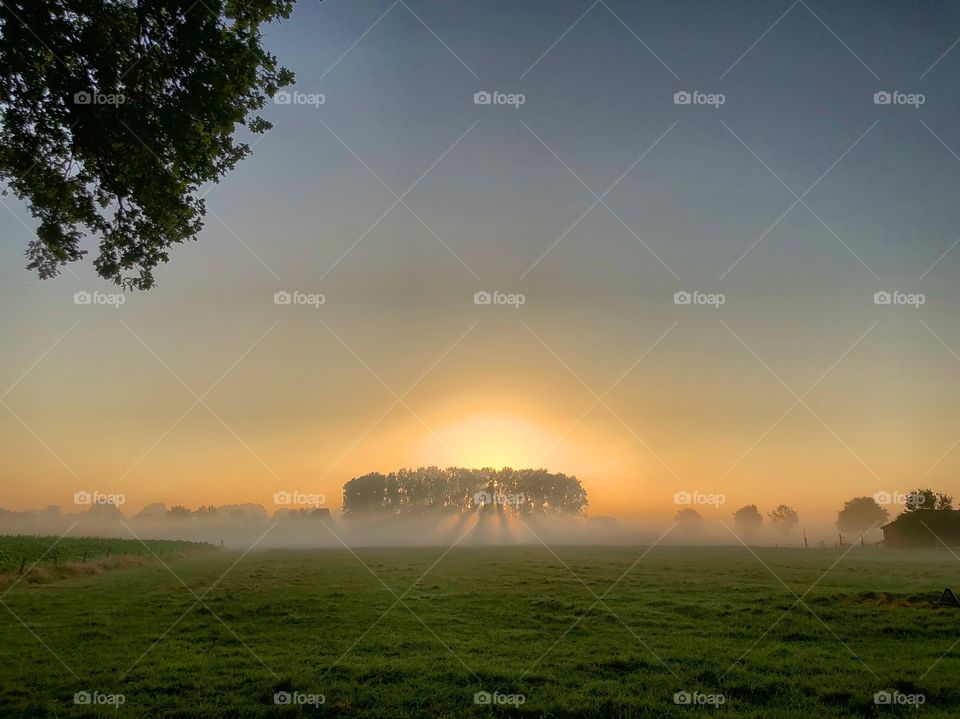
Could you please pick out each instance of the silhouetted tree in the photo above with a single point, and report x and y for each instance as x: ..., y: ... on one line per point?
x: 114, y: 113
x: 927, y: 520
x: 784, y: 518
x: 860, y: 514
x: 748, y: 519
x: 156, y: 509
x: 524, y: 492
x: 689, y: 521
x: 105, y: 510
x: 925, y: 500
x: 365, y: 494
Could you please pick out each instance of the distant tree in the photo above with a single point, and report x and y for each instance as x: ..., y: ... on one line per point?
x: 114, y: 113
x: 157, y: 509
x: 860, y: 514
x: 105, y: 510
x: 748, y: 519
x: 179, y: 512
x: 208, y: 510
x: 689, y: 521
x: 926, y: 500
x: 784, y: 518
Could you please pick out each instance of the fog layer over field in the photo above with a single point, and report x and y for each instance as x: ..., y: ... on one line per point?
x: 244, y: 526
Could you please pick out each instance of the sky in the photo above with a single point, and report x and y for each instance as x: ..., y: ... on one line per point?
x: 781, y: 199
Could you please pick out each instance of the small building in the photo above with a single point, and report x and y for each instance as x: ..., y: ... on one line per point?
x: 923, y: 528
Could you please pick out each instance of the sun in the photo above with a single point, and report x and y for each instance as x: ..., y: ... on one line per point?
x: 488, y: 440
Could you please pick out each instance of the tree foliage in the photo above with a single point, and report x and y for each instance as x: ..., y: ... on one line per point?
x: 927, y: 520
x: 748, y: 519
x: 860, y: 514
x: 689, y: 521
x: 113, y: 113
x: 784, y: 518
x: 926, y: 500
x: 532, y: 491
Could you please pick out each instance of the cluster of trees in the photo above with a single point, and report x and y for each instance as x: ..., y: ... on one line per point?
x: 456, y: 489
x: 159, y: 510
x: 747, y: 519
x: 923, y: 508
x: 783, y: 518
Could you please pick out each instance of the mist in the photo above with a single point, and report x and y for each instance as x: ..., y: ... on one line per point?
x: 249, y: 526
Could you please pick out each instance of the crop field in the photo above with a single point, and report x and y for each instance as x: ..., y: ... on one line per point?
x: 18, y: 553
x: 511, y: 631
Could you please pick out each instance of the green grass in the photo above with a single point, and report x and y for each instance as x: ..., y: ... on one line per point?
x: 23, y: 551
x: 513, y: 620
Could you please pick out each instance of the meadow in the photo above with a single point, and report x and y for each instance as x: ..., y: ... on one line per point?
x: 586, y: 632
x: 19, y: 553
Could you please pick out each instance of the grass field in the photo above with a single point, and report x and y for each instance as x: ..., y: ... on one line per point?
x: 376, y: 642
x: 18, y: 553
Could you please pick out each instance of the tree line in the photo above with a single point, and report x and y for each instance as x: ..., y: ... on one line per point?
x: 458, y: 489
x: 922, y: 508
